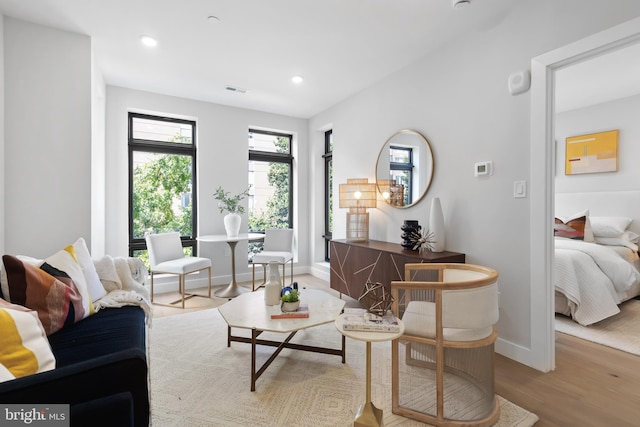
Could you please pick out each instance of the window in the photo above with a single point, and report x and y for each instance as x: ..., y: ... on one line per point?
x: 271, y: 179
x: 162, y: 170
x: 328, y: 193
x: 401, y: 171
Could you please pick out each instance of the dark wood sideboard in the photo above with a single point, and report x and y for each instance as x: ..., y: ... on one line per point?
x: 355, y: 263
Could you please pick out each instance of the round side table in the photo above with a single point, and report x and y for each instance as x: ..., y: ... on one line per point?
x: 368, y: 414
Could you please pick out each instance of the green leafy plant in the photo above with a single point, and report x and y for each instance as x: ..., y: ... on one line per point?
x: 291, y: 296
x: 230, y: 203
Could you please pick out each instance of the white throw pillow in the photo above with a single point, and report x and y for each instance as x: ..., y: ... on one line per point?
x: 96, y: 290
x: 609, y: 226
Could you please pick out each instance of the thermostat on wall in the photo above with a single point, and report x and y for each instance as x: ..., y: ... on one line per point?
x: 483, y: 168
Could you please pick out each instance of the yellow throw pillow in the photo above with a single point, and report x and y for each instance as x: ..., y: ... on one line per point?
x: 24, y: 348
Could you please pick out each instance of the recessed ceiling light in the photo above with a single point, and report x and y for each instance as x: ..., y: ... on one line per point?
x: 148, y: 41
x: 213, y: 19
x: 297, y: 79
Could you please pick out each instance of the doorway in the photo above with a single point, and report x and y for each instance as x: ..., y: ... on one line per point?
x: 543, y: 69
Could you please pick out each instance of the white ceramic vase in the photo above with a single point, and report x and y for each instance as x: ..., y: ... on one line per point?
x: 232, y: 223
x: 273, y: 287
x: 436, y: 225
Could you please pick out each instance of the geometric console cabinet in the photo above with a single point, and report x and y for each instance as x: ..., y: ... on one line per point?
x: 355, y: 263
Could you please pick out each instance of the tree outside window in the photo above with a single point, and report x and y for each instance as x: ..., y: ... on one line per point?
x: 271, y: 181
x: 161, y: 176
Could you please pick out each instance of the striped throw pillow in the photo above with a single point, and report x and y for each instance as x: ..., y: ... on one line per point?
x: 24, y: 348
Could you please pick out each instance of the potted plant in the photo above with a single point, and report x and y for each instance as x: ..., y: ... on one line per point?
x: 290, y: 301
x: 232, y: 205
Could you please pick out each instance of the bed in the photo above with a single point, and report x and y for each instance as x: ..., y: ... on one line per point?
x: 596, y: 264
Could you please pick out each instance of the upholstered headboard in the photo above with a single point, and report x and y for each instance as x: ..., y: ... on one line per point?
x: 611, y: 203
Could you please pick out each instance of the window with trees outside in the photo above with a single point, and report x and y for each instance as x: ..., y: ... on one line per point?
x: 328, y: 193
x: 162, y: 170
x: 270, y: 201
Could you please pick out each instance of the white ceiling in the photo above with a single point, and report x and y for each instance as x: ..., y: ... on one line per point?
x: 610, y: 76
x: 339, y: 46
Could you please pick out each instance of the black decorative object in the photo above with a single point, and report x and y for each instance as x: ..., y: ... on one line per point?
x: 414, y: 239
x: 410, y: 229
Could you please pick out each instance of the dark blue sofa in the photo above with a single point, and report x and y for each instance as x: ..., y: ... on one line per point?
x: 101, y: 371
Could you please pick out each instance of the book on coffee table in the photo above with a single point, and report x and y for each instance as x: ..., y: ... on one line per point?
x: 356, y: 319
x: 301, y: 313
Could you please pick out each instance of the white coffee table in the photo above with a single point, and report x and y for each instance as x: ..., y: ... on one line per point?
x: 248, y: 311
x: 368, y: 414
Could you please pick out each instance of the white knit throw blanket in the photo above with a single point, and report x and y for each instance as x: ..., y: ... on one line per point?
x: 123, y: 278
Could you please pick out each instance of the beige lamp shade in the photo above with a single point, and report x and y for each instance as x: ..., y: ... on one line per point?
x: 358, y: 195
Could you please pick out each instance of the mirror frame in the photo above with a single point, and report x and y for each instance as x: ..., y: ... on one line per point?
x: 384, y: 155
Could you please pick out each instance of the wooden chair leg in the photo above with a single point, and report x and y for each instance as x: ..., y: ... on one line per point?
x: 209, y: 282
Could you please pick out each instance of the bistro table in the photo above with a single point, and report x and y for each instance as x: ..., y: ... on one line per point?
x: 232, y: 290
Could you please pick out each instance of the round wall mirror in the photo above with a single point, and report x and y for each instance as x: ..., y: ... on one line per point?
x: 404, y: 168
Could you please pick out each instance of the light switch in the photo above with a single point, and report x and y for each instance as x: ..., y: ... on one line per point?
x: 519, y: 189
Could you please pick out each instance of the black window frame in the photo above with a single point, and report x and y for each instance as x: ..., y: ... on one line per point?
x: 150, y: 146
x: 286, y: 158
x: 328, y: 191
x: 407, y: 166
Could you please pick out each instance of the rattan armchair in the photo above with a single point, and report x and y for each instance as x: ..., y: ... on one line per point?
x: 443, y: 365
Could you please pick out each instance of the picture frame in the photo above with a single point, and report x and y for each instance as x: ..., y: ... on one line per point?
x: 592, y: 153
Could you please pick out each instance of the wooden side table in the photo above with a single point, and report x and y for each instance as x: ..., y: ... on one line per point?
x: 355, y: 263
x: 368, y: 414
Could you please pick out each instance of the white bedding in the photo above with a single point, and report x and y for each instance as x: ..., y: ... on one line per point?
x: 593, y: 278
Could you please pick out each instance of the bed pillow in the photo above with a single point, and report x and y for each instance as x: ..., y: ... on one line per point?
x: 609, y: 226
x: 627, y: 239
x: 573, y: 227
x: 24, y: 348
x: 55, y: 299
x: 94, y: 286
x: 66, y: 262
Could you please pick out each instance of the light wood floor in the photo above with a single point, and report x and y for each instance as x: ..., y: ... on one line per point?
x: 592, y: 385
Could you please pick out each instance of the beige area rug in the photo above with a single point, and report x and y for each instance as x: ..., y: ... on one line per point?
x: 196, y: 380
x: 620, y: 331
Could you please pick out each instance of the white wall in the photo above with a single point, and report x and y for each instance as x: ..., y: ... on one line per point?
x: 98, y: 165
x: 2, y: 131
x: 222, y: 160
x: 620, y: 114
x: 457, y: 97
x: 47, y: 138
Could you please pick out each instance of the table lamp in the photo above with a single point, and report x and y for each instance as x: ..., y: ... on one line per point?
x: 358, y: 195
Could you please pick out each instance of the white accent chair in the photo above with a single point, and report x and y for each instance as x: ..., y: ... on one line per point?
x: 166, y: 256
x: 449, y: 312
x: 278, y: 247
